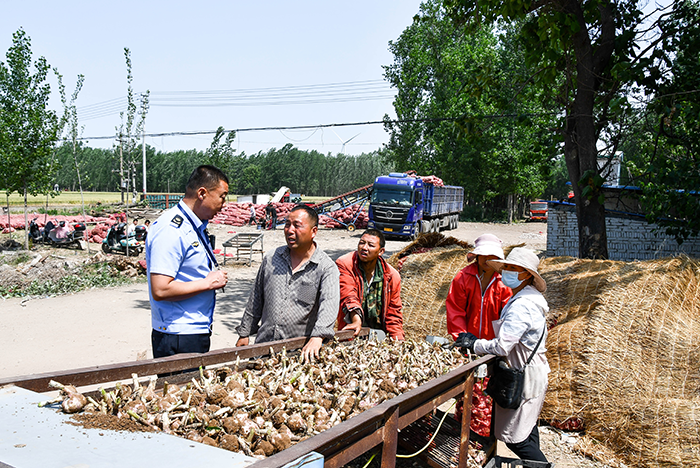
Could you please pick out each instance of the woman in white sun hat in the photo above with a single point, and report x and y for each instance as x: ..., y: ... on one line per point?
x: 518, y: 332
x: 475, y: 299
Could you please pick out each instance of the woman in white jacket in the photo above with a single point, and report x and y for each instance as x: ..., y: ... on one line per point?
x: 518, y: 331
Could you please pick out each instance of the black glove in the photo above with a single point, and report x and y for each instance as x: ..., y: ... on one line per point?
x: 465, y: 341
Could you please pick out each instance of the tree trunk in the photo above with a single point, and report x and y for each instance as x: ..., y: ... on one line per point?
x: 580, y: 135
x: 510, y: 202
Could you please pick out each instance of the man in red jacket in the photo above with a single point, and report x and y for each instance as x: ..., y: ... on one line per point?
x: 370, y: 289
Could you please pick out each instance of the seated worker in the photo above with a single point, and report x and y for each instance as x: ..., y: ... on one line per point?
x: 370, y: 289
x: 296, y: 290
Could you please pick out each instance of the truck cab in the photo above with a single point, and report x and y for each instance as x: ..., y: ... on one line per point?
x: 538, y: 210
x: 396, y: 204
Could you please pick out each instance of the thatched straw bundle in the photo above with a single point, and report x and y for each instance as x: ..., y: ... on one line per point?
x: 624, y: 355
x: 624, y: 347
x: 427, y: 267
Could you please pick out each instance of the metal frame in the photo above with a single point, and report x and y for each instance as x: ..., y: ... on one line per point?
x: 246, y: 242
x: 338, y: 445
x: 381, y: 424
x: 358, y: 196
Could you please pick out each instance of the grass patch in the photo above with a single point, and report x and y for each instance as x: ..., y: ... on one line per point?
x: 15, y: 260
x: 97, y: 275
x: 65, y: 198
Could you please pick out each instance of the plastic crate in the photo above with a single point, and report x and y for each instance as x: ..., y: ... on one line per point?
x: 502, y: 462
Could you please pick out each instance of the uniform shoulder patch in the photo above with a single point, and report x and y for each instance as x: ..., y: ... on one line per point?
x: 177, y: 220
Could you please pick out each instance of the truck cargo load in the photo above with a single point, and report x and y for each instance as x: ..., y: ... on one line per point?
x: 406, y: 205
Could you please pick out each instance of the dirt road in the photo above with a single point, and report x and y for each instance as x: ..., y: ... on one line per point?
x: 113, y: 325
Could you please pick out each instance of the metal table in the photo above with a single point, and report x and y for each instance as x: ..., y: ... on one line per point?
x: 245, y: 243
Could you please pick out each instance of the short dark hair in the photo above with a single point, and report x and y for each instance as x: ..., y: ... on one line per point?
x: 376, y: 233
x: 205, y: 176
x: 313, y: 216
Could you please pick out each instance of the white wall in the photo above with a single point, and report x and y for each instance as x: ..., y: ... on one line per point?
x: 629, y: 237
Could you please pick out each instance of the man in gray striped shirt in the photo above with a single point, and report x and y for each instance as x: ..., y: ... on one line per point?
x: 296, y: 291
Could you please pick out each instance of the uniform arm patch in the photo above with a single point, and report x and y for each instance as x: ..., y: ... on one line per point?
x: 177, y: 220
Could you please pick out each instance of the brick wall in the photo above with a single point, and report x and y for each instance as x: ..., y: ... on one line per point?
x: 630, y: 237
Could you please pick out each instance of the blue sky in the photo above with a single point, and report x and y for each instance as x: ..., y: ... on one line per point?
x: 275, y: 52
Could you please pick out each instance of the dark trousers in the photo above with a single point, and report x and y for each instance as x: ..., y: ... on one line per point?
x: 529, y: 449
x: 166, y: 344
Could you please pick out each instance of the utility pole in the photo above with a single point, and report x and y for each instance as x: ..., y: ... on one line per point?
x: 121, y: 167
x: 143, y: 144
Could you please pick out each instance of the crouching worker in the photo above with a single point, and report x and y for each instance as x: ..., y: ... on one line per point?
x: 521, y: 333
x: 370, y: 289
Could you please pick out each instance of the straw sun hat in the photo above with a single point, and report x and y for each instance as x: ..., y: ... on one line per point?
x: 487, y: 244
x: 525, y: 258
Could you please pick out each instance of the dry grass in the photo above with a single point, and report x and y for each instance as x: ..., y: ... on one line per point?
x: 624, y: 347
x: 624, y: 355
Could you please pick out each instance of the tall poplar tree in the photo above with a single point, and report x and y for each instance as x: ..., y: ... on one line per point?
x: 29, y: 129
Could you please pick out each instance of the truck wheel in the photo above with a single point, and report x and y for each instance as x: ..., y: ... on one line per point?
x: 425, y: 226
x: 106, y: 249
x: 351, y: 227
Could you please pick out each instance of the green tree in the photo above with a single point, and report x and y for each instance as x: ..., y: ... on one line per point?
x: 663, y: 158
x: 588, y: 57
x: 455, y: 106
x: 129, y: 131
x: 29, y: 129
x: 221, y: 154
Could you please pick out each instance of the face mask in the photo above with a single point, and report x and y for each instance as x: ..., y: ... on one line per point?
x: 510, y: 279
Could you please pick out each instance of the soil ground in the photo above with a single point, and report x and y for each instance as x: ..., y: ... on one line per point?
x: 112, y: 325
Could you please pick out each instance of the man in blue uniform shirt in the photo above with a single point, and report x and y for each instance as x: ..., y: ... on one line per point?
x: 183, y: 273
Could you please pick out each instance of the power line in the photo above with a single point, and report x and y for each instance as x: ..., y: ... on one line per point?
x: 317, y: 126
x: 351, y: 91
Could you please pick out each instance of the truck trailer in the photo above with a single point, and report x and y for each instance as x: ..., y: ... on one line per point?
x: 405, y: 205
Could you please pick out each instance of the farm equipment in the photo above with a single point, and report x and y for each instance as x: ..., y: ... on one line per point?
x: 405, y: 205
x: 47, y: 437
x: 245, y: 243
x: 353, y: 201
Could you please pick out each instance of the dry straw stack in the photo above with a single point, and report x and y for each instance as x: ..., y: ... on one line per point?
x: 625, y: 355
x: 427, y: 267
x: 624, y: 347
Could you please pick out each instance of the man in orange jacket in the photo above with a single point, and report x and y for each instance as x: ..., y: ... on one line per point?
x: 370, y: 289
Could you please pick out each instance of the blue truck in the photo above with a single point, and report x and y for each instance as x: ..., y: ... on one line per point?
x: 404, y: 205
